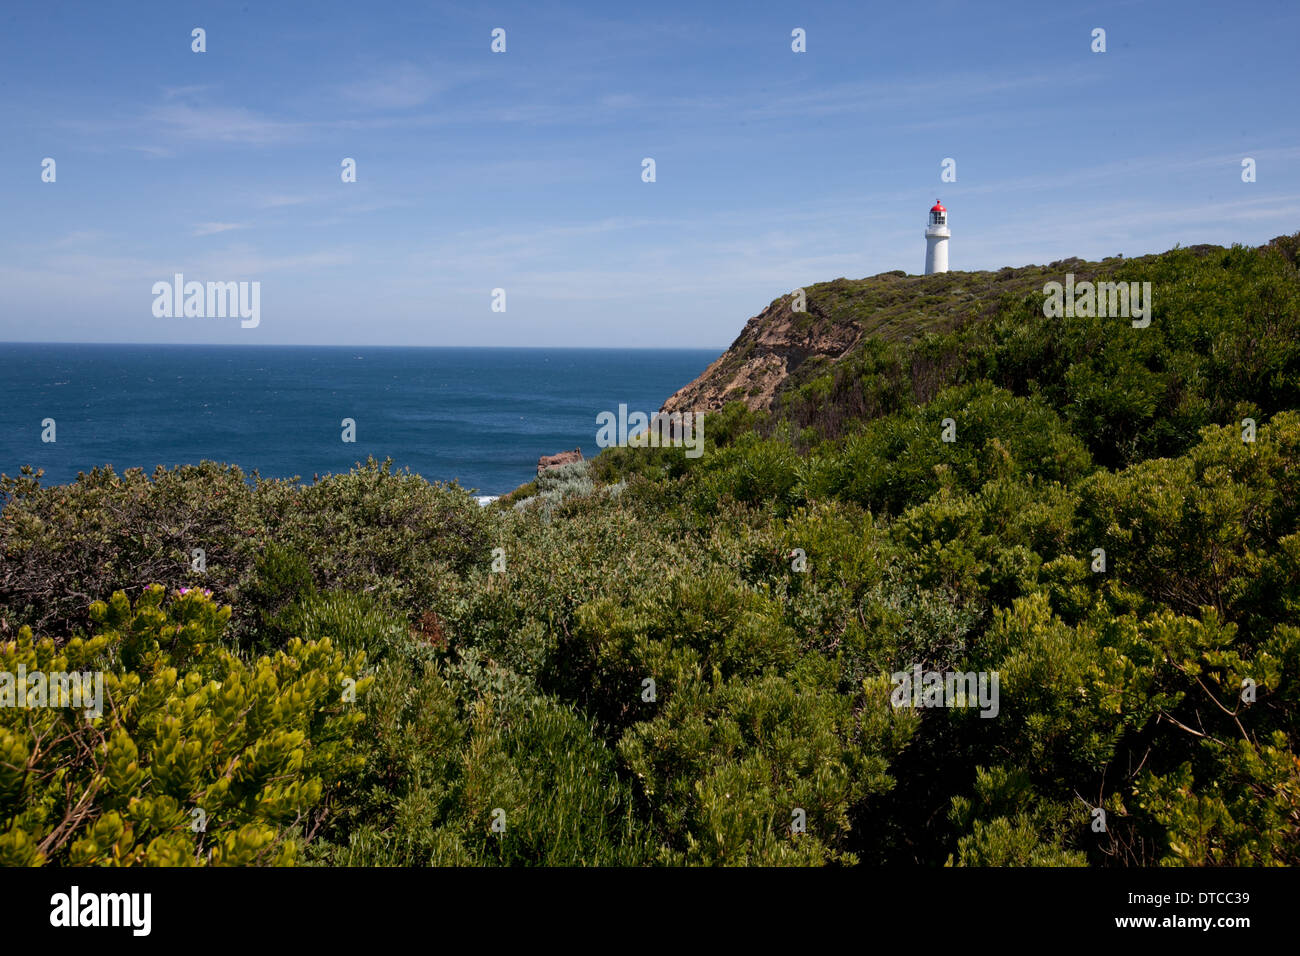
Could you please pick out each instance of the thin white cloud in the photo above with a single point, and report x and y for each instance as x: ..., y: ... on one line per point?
x: 278, y: 201
x: 241, y: 261
x: 175, y: 92
x: 159, y: 151
x: 399, y: 86
x: 1124, y: 170
x: 212, y: 228
x: 221, y: 124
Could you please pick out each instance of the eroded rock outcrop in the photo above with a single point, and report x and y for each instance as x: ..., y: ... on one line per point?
x: 768, y: 350
x: 555, y: 461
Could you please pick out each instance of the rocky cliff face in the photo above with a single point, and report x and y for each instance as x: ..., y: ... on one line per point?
x: 771, y: 346
x: 780, y: 347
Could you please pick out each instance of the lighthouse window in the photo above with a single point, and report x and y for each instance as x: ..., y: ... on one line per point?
x: 938, y: 218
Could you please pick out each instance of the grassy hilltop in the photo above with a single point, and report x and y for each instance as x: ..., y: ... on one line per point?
x: 867, y: 347
x: 651, y: 659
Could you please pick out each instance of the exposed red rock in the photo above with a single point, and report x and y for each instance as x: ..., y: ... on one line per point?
x: 555, y: 461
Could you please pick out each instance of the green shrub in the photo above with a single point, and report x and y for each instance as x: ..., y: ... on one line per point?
x: 197, y: 757
x: 900, y: 461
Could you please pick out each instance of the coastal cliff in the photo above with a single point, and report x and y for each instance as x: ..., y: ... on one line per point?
x: 781, y: 347
x: 848, y: 323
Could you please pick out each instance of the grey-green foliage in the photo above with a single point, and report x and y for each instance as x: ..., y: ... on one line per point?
x: 555, y: 485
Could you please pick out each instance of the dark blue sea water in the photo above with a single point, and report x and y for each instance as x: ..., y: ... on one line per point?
x: 482, y: 416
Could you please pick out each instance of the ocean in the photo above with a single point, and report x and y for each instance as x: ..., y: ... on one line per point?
x: 481, y: 416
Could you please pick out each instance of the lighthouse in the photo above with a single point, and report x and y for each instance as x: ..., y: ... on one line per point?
x: 936, y: 240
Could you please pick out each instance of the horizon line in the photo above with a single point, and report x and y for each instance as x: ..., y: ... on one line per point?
x: 346, y: 345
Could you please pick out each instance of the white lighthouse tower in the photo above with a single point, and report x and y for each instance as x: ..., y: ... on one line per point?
x: 936, y: 240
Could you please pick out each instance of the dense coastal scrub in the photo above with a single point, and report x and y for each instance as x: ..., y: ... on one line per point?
x: 650, y: 659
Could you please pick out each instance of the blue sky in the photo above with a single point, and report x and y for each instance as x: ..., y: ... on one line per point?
x: 522, y: 170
